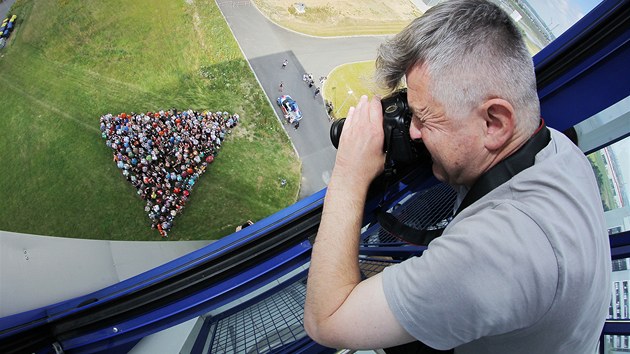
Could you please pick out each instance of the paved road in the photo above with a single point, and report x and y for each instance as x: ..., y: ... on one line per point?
x: 5, y: 6
x: 265, y: 46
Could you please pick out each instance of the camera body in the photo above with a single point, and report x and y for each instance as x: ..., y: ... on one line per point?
x: 400, y: 149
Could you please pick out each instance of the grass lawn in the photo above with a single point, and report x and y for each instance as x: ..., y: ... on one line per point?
x: 605, y: 185
x: 70, y: 61
x: 355, y: 77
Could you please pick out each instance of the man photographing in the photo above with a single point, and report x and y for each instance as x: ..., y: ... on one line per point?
x: 525, y: 266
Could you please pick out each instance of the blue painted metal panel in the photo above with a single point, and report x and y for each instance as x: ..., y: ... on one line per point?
x: 616, y: 328
x: 216, y: 249
x: 194, y: 258
x: 199, y: 303
x: 597, y: 81
x: 620, y: 239
x: 620, y: 252
x: 591, y: 89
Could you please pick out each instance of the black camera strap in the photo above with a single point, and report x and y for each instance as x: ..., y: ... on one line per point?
x: 497, y: 175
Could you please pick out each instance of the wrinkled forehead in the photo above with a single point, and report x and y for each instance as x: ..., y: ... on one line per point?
x: 417, y: 81
x: 420, y: 95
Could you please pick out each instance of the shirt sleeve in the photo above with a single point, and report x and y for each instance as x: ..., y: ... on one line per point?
x: 490, y: 273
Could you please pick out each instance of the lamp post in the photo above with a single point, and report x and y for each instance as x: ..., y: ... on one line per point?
x: 344, y: 102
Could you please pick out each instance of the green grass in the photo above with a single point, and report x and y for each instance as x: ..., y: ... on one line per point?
x: 70, y: 61
x: 605, y: 186
x: 355, y: 77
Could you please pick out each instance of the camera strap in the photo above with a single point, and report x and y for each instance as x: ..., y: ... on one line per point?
x: 497, y: 175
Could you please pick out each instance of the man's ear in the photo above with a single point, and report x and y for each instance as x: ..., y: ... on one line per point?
x: 500, y: 123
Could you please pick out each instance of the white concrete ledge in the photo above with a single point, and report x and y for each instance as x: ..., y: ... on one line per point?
x: 36, y: 271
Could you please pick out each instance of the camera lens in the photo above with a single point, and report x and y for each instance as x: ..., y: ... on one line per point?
x: 335, y: 131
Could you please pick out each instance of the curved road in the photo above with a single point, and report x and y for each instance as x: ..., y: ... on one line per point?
x: 265, y: 45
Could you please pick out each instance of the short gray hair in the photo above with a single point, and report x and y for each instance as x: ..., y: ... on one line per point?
x: 472, y: 51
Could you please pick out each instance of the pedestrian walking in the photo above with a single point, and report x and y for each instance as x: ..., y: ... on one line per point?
x: 296, y: 125
x: 281, y: 86
x: 285, y: 63
x: 316, y: 92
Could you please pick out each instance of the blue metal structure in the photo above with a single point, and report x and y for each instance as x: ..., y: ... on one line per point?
x: 248, y: 288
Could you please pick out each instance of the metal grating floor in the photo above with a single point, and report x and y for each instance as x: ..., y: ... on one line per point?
x: 373, y: 266
x: 429, y: 208
x: 271, y: 323
x: 274, y: 322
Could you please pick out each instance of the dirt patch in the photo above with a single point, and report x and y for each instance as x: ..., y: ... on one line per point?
x: 342, y: 17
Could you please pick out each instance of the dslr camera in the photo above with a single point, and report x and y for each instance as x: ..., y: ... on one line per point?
x: 400, y: 149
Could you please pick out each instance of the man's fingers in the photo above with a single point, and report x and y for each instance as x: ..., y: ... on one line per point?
x: 349, y: 115
x: 359, y: 110
x: 362, y: 102
x: 375, y: 109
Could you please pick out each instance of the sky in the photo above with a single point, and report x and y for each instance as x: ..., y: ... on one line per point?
x: 562, y: 14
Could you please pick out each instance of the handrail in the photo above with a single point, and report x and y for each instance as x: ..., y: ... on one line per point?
x: 78, y: 321
x: 174, y: 281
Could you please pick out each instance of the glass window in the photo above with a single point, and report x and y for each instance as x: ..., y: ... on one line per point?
x: 558, y: 16
x: 611, y: 163
x: 542, y: 21
x: 612, y: 170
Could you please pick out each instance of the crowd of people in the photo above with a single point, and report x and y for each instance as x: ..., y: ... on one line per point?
x: 308, y: 79
x: 164, y: 153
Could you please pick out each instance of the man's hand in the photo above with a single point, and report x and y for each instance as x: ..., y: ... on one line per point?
x: 360, y: 157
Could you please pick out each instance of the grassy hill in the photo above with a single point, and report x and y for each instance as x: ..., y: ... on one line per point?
x: 71, y: 61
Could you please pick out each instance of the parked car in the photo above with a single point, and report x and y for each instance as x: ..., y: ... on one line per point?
x: 289, y: 108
